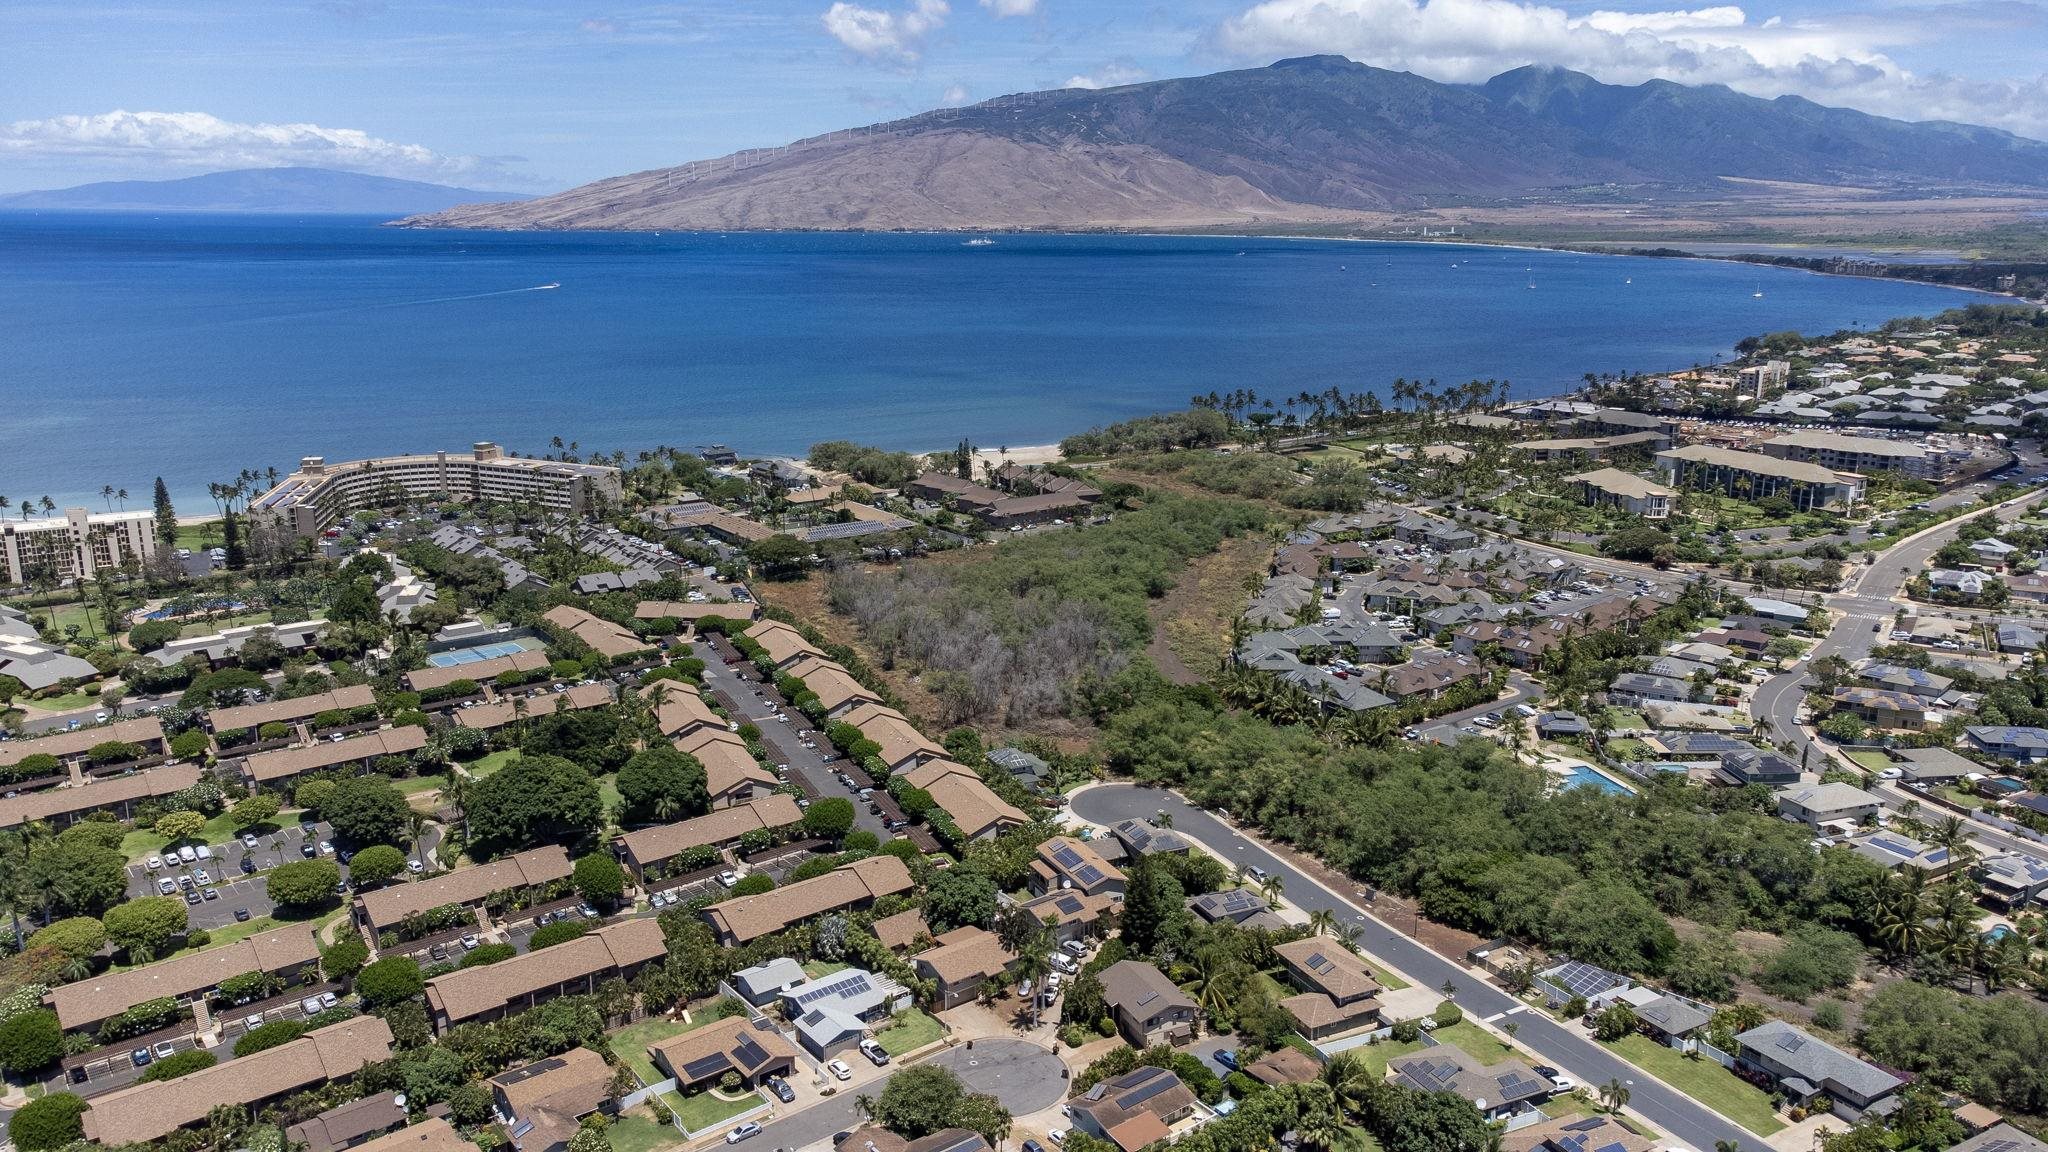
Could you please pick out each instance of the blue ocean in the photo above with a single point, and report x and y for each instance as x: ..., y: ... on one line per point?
x: 195, y: 347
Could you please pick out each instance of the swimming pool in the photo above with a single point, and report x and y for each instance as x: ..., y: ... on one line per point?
x: 481, y: 652
x: 1583, y: 777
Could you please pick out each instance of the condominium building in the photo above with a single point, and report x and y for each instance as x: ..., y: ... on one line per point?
x: 74, y: 546
x: 1753, y: 476
x: 1614, y: 488
x: 317, y: 495
x: 1861, y: 454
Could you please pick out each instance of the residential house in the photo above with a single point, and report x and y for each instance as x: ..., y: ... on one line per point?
x: 291, y: 711
x: 834, y: 1011
x: 900, y: 932
x: 1075, y: 915
x: 1821, y: 805
x: 2025, y: 745
x: 731, y: 774
x: 679, y: 710
x: 352, y: 1124
x: 1339, y: 994
x: 856, y: 885
x: 381, y: 909
x: 499, y: 713
x: 1671, y: 1019
x: 280, y: 767
x: 1065, y: 863
x: 1574, y: 1133
x: 701, y: 1057
x: 1886, y: 709
x: 1759, y: 766
x: 649, y: 853
x: 1562, y: 725
x: 1614, y: 488
x: 1148, y: 1008
x: 618, y: 950
x: 1284, y: 1065
x: 542, y: 1104
x: 762, y: 984
x: 1897, y: 852
x: 1026, y: 769
x: 602, y: 636
x: 485, y: 671
x: 782, y: 644
x: 1804, y: 1067
x: 59, y: 807
x: 1499, y: 1091
x: 973, y: 806
x: 1135, y: 1110
x: 903, y: 746
x: 1776, y: 611
x: 151, y: 1111
x: 837, y: 691
x: 289, y: 954
x: 2000, y: 1137
x: 961, y: 961
x: 1638, y: 687
x: 1144, y: 838
x: 1933, y: 765
x: 2012, y: 879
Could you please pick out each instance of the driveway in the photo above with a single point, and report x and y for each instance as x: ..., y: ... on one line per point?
x: 1023, y: 1076
x: 1671, y: 1112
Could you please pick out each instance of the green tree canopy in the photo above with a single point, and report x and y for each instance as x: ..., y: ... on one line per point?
x: 367, y: 810
x: 928, y: 1098
x: 30, y: 1041
x: 829, y: 819
x: 661, y: 785
x: 76, y: 937
x: 960, y: 896
x: 374, y: 865
x: 48, y: 1123
x: 389, y: 980
x: 303, y: 883
x: 146, y: 926
x: 600, y: 880
x: 534, y: 800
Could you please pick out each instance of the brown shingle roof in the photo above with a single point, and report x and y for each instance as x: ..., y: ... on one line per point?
x: 898, y: 737
x: 349, y: 1123
x: 974, y: 806
x: 1141, y: 989
x: 387, y: 906
x: 723, y: 1038
x: 470, y: 992
x: 286, y: 762
x: 720, y: 826
x: 499, y: 713
x: 147, y: 1111
x: 145, y: 730
x: 107, y: 793
x: 728, y: 765
x: 573, y: 1084
x: 831, y: 683
x: 900, y: 930
x: 781, y: 641
x: 684, y: 610
x: 681, y: 709
x: 1317, y: 1011
x: 1284, y: 1065
x: 968, y: 953
x: 1327, y: 968
x: 480, y: 671
x: 286, y: 711
x: 111, y: 993
x: 752, y: 917
x: 604, y: 637
x: 430, y: 1135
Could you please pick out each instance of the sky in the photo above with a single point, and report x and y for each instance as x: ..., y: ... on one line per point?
x: 535, y: 96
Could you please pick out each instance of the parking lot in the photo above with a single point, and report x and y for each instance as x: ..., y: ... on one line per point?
x: 812, y: 765
x: 222, y: 872
x: 780, y: 866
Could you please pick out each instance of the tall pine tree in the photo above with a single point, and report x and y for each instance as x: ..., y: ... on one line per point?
x: 166, y: 516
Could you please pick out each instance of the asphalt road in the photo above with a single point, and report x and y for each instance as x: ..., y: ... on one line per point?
x: 1564, y: 1046
x: 735, y: 686
x: 1023, y: 1076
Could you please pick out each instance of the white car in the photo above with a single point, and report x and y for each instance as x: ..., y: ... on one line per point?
x: 153, y: 863
x: 1566, y: 1084
x: 415, y: 866
x: 203, y: 852
x: 1057, y: 1135
x: 187, y: 855
x: 840, y: 1070
x: 253, y: 1021
x: 728, y: 878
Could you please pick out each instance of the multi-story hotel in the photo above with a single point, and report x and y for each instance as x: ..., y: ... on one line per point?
x: 75, y: 545
x: 1863, y: 454
x: 312, y: 499
x: 1752, y: 476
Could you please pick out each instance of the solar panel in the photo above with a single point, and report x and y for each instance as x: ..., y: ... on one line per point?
x: 1144, y: 1092
x: 1585, y: 1125
x: 851, y: 986
x: 704, y: 1066
x: 1066, y: 857
x: 1088, y: 874
x: 750, y: 1054
x: 1584, y: 979
x: 1147, y: 998
x: 1791, y: 1042
x: 1616, y: 1146
x: 1515, y: 1086
x: 1068, y: 905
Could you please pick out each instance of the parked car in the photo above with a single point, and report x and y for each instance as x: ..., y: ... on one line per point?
x: 874, y: 1052
x: 200, y: 875
x: 782, y: 1090
x: 153, y: 863
x: 1075, y: 948
x: 247, y: 866
x: 728, y: 878
x: 187, y: 855
x: 211, y: 893
x: 166, y: 886
x: 253, y: 1020
x: 415, y: 867
x: 328, y: 1000
x: 310, y: 1005
x: 746, y: 1131
x: 1227, y: 1058
x: 165, y: 1049
x: 140, y: 1056
x: 840, y: 1070
x: 242, y: 915
x: 308, y: 851
x: 469, y: 942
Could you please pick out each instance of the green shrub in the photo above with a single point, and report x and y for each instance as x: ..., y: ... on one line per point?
x: 50, y: 1122
x: 182, y: 1064
x: 269, y: 1036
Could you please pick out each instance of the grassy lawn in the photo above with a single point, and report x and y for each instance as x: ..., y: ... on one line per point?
x: 1624, y: 718
x: 146, y: 841
x: 1375, y: 1056
x: 87, y: 616
x: 705, y: 1110
x: 912, y: 1030
x: 819, y: 969
x: 608, y: 792
x: 637, y: 1133
x: 1629, y: 749
x: 485, y: 765
x: 68, y: 702
x: 1872, y: 759
x: 414, y: 785
x: 1476, y: 1042
x: 199, y: 537
x: 630, y: 1044
x: 1705, y: 1081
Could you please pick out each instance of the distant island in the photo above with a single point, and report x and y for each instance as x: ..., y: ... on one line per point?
x: 1328, y: 146
x: 321, y: 190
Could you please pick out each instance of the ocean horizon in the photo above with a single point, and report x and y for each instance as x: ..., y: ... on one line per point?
x: 194, y: 346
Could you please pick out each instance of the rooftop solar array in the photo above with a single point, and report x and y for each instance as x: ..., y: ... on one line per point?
x: 850, y: 986
x: 704, y: 1066
x: 1584, y: 979
x: 1068, y: 905
x: 1515, y: 1086
x: 1146, y: 1091
x: 1791, y: 1041
x: 1147, y: 997
x: 750, y: 1054
x: 1066, y: 857
x: 1319, y: 963
x: 1434, y: 1075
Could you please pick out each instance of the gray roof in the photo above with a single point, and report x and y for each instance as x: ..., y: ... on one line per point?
x: 765, y: 979
x: 2000, y: 1138
x: 1816, y: 1060
x: 1142, y: 837
x: 1139, y: 988
x: 1673, y: 1016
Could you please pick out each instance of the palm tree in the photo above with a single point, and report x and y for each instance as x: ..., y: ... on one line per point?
x: 1271, y: 888
x: 1614, y: 1094
x: 1322, y: 922
x: 1216, y: 973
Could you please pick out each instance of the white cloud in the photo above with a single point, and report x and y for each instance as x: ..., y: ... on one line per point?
x: 954, y: 96
x: 1470, y: 40
x: 1004, y: 8
x: 895, y: 36
x: 1122, y: 70
x: 197, y: 141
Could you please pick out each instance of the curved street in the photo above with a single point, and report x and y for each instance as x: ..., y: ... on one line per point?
x: 1564, y: 1046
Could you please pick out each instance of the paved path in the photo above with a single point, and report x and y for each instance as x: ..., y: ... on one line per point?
x: 1023, y: 1075
x: 1564, y: 1046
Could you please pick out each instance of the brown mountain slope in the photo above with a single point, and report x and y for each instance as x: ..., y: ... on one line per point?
x: 935, y: 180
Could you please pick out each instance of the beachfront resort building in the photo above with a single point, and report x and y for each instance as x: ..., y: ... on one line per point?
x: 1754, y: 476
x: 74, y: 546
x: 1611, y: 487
x: 319, y: 494
x: 1844, y: 453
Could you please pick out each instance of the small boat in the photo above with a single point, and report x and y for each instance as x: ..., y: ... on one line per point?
x: 1758, y: 294
x: 1628, y: 280
x: 981, y: 242
x: 544, y: 287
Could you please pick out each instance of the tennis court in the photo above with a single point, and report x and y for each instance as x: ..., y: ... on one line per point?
x: 473, y: 655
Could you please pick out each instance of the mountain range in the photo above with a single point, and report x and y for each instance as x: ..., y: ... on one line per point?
x: 311, y: 190
x: 1302, y: 141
